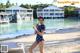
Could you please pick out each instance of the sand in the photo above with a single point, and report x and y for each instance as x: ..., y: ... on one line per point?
x: 54, y: 43
x: 47, y: 37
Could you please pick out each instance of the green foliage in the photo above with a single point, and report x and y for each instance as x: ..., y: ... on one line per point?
x: 25, y: 6
x: 2, y: 6
x: 8, y: 4
x: 69, y: 11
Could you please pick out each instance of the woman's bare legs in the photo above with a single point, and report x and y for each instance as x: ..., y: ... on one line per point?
x: 32, y: 47
x: 41, y: 45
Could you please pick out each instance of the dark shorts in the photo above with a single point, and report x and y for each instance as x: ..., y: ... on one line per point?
x: 39, y: 38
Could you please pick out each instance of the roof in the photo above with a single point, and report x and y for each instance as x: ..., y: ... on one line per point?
x: 53, y: 7
x: 15, y: 8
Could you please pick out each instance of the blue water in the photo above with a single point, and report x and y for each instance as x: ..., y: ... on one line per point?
x: 18, y: 29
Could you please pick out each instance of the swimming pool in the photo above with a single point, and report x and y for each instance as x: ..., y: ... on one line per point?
x: 17, y: 29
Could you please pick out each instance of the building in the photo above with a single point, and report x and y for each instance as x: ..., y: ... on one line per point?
x: 3, y: 18
x: 50, y: 12
x: 18, y: 13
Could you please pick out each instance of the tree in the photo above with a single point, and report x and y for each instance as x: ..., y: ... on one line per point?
x: 69, y: 11
x: 1, y: 5
x: 25, y: 6
x: 8, y: 4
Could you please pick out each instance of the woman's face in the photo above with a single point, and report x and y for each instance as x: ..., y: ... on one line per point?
x: 41, y: 21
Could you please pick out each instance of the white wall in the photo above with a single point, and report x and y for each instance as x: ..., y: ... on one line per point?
x: 47, y: 13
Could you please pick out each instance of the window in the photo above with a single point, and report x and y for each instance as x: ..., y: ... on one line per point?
x: 14, y: 11
x: 61, y: 13
x: 29, y: 14
x: 52, y: 10
x: 51, y: 13
x: 56, y: 10
x: 22, y: 11
x: 45, y: 13
x: 8, y: 10
x: 29, y: 10
x: 56, y: 13
x: 40, y: 14
x: 39, y: 10
x: 45, y: 9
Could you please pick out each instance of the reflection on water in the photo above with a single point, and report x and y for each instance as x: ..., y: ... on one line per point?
x: 50, y: 24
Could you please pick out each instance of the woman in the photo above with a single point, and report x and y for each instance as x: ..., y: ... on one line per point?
x: 39, y: 29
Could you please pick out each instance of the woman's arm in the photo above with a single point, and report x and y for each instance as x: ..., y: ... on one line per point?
x: 40, y: 33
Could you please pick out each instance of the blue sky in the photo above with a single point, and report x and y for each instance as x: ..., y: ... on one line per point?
x: 27, y: 1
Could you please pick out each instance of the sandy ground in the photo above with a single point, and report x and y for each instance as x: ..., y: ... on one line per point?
x: 54, y: 43
x: 47, y: 37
